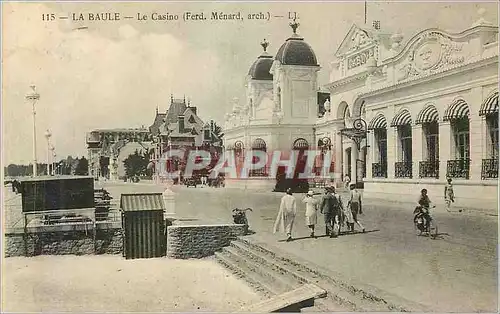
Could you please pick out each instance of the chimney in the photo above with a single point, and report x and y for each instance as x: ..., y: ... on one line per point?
x: 193, y: 109
x: 181, y: 124
x: 376, y: 25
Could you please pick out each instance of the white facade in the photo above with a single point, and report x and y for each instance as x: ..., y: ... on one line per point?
x: 422, y: 97
x: 430, y: 107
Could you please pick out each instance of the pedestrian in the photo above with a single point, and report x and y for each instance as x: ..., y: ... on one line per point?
x: 347, y: 180
x: 286, y: 215
x: 348, y: 220
x: 449, y: 195
x: 311, y: 211
x: 356, y: 207
x: 330, y: 209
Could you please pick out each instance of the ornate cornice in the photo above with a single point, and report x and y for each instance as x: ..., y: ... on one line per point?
x: 346, y: 80
x: 436, y: 75
x: 422, y: 35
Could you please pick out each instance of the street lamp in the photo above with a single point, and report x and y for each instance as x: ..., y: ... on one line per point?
x: 33, y: 97
x: 47, y: 136
x: 53, y: 163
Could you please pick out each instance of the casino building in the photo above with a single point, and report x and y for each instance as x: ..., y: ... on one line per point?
x: 400, y: 114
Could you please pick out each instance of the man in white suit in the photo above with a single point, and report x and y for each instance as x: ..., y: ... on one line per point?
x: 286, y: 215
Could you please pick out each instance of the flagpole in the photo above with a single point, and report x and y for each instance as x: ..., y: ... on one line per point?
x: 365, y: 11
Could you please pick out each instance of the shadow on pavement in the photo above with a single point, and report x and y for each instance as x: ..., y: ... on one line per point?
x: 325, y: 236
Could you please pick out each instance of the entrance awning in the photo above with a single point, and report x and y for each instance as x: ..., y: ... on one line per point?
x: 402, y: 118
x: 378, y: 122
x: 489, y: 105
x: 458, y: 109
x: 427, y: 115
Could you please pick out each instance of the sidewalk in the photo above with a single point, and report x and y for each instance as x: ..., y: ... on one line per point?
x: 391, y: 257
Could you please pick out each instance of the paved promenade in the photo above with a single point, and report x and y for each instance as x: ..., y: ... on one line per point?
x: 456, y: 272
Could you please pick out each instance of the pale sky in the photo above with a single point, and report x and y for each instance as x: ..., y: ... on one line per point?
x: 115, y: 73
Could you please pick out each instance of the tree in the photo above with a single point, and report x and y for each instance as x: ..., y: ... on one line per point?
x: 218, y: 131
x: 136, y: 164
x: 82, y: 168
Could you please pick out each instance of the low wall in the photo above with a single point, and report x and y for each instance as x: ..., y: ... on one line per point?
x: 64, y: 243
x: 197, y: 241
x: 481, y: 195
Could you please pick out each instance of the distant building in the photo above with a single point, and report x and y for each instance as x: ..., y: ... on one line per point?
x: 178, y: 127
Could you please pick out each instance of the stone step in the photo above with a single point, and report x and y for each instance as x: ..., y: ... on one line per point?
x: 336, y: 299
x: 291, y: 301
x: 350, y: 297
x: 244, y: 273
x: 278, y: 283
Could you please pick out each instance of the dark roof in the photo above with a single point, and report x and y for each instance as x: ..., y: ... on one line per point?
x: 260, y: 68
x: 295, y: 51
x: 159, y: 119
x: 177, y: 108
x: 141, y: 202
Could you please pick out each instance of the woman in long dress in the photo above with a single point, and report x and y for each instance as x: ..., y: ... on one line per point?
x: 311, y: 211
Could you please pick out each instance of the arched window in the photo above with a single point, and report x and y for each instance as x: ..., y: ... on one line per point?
x: 489, y: 109
x: 458, y: 115
x: 428, y: 117
x: 402, y: 122
x: 300, y: 144
x: 258, y: 145
x: 379, y: 126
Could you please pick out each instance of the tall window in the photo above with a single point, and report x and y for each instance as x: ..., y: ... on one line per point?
x: 405, y: 142
x: 431, y: 132
x: 381, y: 140
x: 461, y: 138
x: 492, y: 126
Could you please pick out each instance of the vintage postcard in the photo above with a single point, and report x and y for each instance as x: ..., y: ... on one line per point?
x: 250, y: 156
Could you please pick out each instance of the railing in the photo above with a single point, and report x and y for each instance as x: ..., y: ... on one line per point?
x: 429, y: 169
x: 258, y: 172
x: 403, y: 169
x: 458, y: 168
x: 379, y: 170
x: 489, y: 169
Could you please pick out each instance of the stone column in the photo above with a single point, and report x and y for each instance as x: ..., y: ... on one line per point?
x: 476, y: 138
x: 444, y: 147
x: 344, y: 160
x: 477, y: 134
x: 417, y: 149
x: 370, y: 155
x: 339, y: 151
x: 391, y: 151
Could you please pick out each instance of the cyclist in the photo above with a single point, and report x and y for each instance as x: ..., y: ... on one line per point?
x: 425, y: 203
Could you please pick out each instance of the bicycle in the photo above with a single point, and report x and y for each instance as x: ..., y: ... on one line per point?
x: 424, y: 223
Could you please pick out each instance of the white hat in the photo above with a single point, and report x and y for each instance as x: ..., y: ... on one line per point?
x: 310, y: 193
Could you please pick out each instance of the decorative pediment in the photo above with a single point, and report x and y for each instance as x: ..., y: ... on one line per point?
x: 356, y: 39
x: 429, y: 53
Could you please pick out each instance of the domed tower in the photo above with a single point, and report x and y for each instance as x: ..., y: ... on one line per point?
x: 259, y: 84
x: 295, y: 72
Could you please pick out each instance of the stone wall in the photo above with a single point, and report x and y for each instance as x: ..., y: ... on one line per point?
x: 197, y: 241
x: 64, y: 243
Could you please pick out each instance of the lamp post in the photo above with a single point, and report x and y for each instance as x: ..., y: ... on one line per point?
x: 53, y: 163
x: 47, y: 136
x: 33, y: 97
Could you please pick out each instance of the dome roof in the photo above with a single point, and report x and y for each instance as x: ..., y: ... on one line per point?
x: 295, y: 51
x: 260, y: 68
